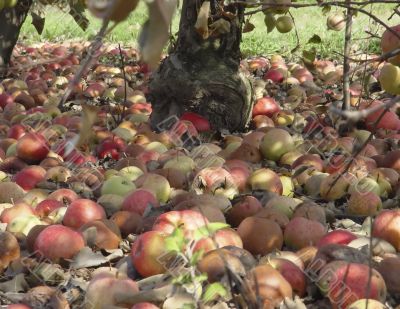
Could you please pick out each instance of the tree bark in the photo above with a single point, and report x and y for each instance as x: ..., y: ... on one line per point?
x: 11, y: 20
x: 203, y: 75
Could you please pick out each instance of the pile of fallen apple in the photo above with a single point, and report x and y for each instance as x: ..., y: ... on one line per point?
x: 277, y: 216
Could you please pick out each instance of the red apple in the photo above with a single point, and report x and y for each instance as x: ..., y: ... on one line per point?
x: 188, y: 220
x: 139, y: 200
x: 32, y: 148
x: 19, y: 209
x: 245, y: 207
x: 301, y: 232
x: 66, y: 196
x: 220, y: 239
x: 148, y: 253
x: 82, y: 211
x: 275, y: 75
x: 292, y: 273
x: 30, y: 176
x: 351, y: 282
x: 200, y: 123
x: 58, y: 241
x: 341, y: 237
x: 16, y: 131
x: 145, y: 306
x: 44, y: 208
x: 265, y: 106
x: 387, y: 226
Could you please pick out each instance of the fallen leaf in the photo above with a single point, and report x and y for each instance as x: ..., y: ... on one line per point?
x: 201, y: 25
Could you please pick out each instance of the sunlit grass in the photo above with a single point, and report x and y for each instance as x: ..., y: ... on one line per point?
x: 309, y: 21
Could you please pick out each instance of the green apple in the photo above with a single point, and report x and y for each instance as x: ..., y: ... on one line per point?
x: 119, y: 185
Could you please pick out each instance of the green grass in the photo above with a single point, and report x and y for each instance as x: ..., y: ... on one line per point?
x: 309, y: 21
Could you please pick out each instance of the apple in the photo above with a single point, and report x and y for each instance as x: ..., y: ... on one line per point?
x: 387, y: 226
x: 150, y: 306
x: 188, y: 220
x: 32, y: 148
x: 185, y: 164
x: 107, y: 234
x: 245, y: 207
x: 364, y: 203
x: 389, y: 78
x: 9, y: 249
x: 335, y: 186
x: 341, y: 237
x: 240, y: 171
x: 215, y: 180
x: 139, y: 200
x: 390, y: 42
x: 336, y: 22
x: 105, y: 287
x: 58, y: 241
x: 284, y: 24
x: 215, y: 263
x: 19, y: 209
x: 156, y: 184
x: 269, y: 286
x: 275, y: 75
x: 291, y: 272
x: 149, y: 255
x: 265, y: 179
x: 275, y: 143
x: 200, y: 123
x: 301, y: 232
x: 367, y: 303
x: 221, y: 238
x: 283, y: 204
x: 265, y: 106
x: 30, y: 176
x: 351, y: 282
x: 66, y: 196
x: 118, y: 185
x: 389, y: 269
x: 128, y: 222
x: 23, y: 224
x: 260, y: 235
x: 16, y: 131
x: 82, y: 211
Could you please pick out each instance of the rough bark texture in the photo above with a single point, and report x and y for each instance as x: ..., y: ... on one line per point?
x: 11, y: 20
x: 203, y: 75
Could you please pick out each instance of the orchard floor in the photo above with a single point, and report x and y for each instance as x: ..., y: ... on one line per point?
x: 93, y: 224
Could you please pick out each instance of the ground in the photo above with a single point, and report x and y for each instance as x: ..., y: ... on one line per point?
x: 99, y: 211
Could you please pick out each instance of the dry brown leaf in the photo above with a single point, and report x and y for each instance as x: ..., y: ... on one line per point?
x: 201, y: 25
x: 155, y: 32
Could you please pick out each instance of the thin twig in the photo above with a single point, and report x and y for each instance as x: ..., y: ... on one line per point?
x: 125, y: 83
x: 346, y: 61
x: 355, y: 116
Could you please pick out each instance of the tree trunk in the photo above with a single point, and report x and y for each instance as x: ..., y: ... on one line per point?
x: 11, y: 20
x: 202, y: 75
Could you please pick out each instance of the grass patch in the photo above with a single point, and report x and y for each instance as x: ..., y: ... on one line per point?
x: 61, y: 27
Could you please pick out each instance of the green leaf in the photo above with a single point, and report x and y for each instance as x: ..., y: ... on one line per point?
x: 326, y: 9
x: 209, y: 229
x: 77, y: 11
x: 270, y: 22
x: 38, y: 22
x: 196, y: 257
x: 315, y: 39
x: 214, y: 291
x: 176, y: 241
